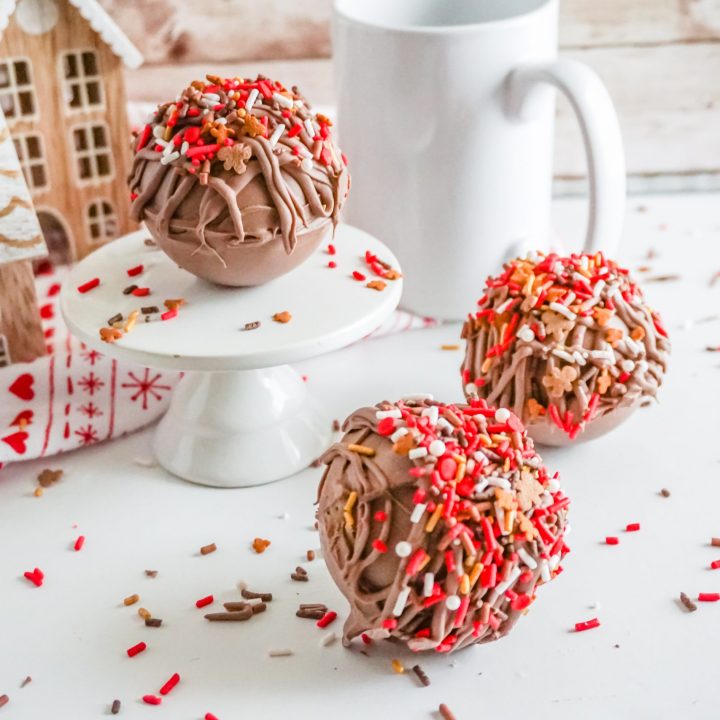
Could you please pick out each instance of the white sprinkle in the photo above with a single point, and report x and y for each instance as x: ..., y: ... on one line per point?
x: 310, y: 128
x: 212, y: 97
x: 562, y: 310
x: 307, y: 164
x: 158, y: 131
x: 471, y: 389
x: 634, y: 347
x: 607, y: 354
x: 282, y: 100
x: 554, y: 561
x: 428, y: 583
x: 527, y: 558
x: 567, y: 530
x: 592, y: 302
x: 382, y: 414
x: 452, y: 602
x: 502, y: 415
x: 437, y: 448
x: 579, y: 358
x: 469, y: 466
x: 500, y: 515
x: 403, y: 549
x: 251, y: 99
x: 162, y: 143
x: 418, y: 512
x: 284, y: 516
x: 167, y: 159
x: 329, y: 639
x: 553, y: 485
x: 432, y: 413
x: 544, y: 571
x: 444, y: 424
x: 398, y: 434
x: 221, y: 121
x: 479, y: 487
x: 512, y: 577
x: 504, y: 306
x: 280, y: 653
x: 500, y: 482
x: 567, y: 301
x: 563, y: 355
x: 595, y: 605
x: 184, y: 147
x: 277, y: 134
x: 627, y: 365
x: 401, y: 601
x: 147, y: 462
x: 526, y: 334
x: 418, y: 452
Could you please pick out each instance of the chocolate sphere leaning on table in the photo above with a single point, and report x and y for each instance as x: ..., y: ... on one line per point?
x: 237, y: 180
x: 438, y: 522
x: 568, y: 343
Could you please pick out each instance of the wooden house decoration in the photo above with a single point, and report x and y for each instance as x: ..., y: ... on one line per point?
x: 21, y: 241
x: 62, y: 92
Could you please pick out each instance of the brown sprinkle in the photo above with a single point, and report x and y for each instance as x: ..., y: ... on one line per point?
x: 131, y: 599
x: 260, y: 545
x: 151, y: 573
x: 299, y: 577
x: 26, y: 681
x: 115, y: 707
x: 361, y: 450
x: 662, y: 278
x: 207, y: 549
x: 235, y: 606
x: 239, y: 616
x: 282, y: 317
x: 4, y: 700
x: 311, y: 614
x: 687, y: 602
x: 715, y: 542
x: 445, y: 712
x: 149, y: 242
x: 254, y: 325
x: 422, y: 676
x: 153, y: 622
x: 310, y: 555
x: 144, y: 613
x: 336, y: 426
x: 115, y: 319
x: 377, y: 285
x: 47, y: 477
x: 150, y: 309
x: 665, y: 492
x: 258, y: 608
x: 250, y: 595
x: 129, y: 289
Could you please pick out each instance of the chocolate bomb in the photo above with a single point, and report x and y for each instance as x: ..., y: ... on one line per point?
x: 438, y: 522
x: 568, y: 343
x: 237, y: 180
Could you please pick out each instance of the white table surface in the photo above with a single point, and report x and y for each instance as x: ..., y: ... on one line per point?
x: 649, y: 659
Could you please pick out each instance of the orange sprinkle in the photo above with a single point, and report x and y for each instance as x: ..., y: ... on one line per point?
x: 260, y: 545
x: 131, y: 599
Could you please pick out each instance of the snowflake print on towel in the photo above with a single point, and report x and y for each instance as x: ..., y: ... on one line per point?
x: 146, y: 387
x: 88, y: 435
x: 91, y: 410
x: 91, y: 383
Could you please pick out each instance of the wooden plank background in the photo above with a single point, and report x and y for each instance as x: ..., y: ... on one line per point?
x: 659, y: 58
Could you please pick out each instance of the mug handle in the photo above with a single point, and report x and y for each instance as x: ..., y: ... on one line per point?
x: 601, y: 135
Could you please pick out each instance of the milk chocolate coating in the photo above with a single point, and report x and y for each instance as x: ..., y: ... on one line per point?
x: 515, y: 377
x: 372, y: 580
x: 241, y: 228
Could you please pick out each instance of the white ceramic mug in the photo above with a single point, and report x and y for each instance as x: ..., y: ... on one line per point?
x: 446, y: 112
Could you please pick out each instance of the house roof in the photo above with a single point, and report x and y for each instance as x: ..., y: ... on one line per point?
x: 98, y: 20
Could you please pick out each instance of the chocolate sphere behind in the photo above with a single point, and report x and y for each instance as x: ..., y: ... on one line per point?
x: 568, y: 343
x: 438, y: 522
x: 236, y: 185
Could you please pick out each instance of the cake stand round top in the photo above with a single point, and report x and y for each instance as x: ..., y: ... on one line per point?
x: 329, y: 307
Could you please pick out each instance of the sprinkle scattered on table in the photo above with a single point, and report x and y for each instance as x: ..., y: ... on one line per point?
x: 282, y: 317
x: 326, y: 619
x: 131, y: 599
x: 79, y: 543
x: 587, y: 625
x: 48, y: 477
x: 254, y: 325
x: 445, y: 712
x: 285, y: 652
x: 250, y: 595
x: 260, y: 545
x: 708, y: 597
x: 449, y: 347
x: 36, y: 576
x: 170, y: 684
x: 377, y: 285
x: 207, y: 549
x: 136, y: 649
x: 421, y: 675
x: 115, y: 707
x: 665, y: 493
x: 152, y: 699
x: 4, y: 700
x: 133, y: 271
x: 89, y: 285
x: 204, y: 602
x: 687, y: 602
x: 300, y: 574
x: 151, y: 573
x: 632, y: 527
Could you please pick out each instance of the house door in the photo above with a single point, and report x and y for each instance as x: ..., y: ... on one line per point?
x: 56, y: 238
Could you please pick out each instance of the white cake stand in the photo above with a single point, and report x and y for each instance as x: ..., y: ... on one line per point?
x: 240, y: 416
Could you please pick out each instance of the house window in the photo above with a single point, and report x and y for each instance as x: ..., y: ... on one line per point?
x: 31, y: 154
x: 91, y: 147
x: 82, y: 81
x: 17, y: 96
x: 102, y: 221
x: 4, y: 352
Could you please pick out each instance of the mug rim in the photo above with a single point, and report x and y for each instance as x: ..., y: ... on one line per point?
x: 340, y: 13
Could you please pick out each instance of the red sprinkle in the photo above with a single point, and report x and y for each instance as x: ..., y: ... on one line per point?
x: 331, y: 249
x: 36, y: 577
x: 89, y: 285
x: 611, y: 540
x: 79, y: 543
x: 632, y: 527
x: 133, y: 271
x: 381, y: 516
x: 141, y: 292
x: 210, y: 716
x: 170, y: 314
x: 709, y: 597
x: 152, y: 699
x: 379, y: 545
x: 386, y: 426
x: 326, y: 619
x: 587, y: 625
x: 358, y: 276
x: 332, y: 264
x: 715, y: 564
x: 202, y: 602
x: 135, y: 649
x: 170, y: 684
